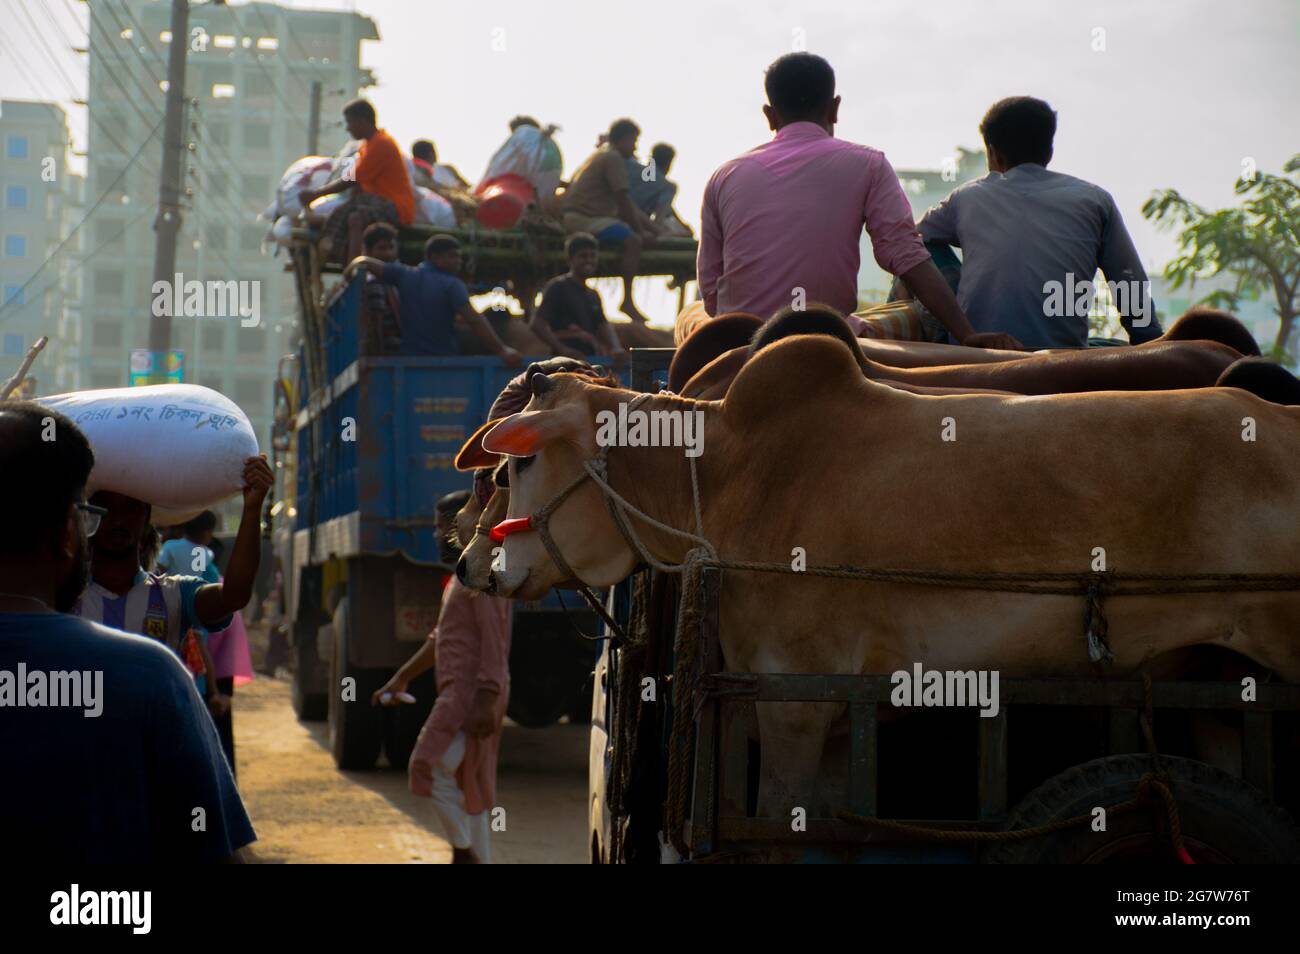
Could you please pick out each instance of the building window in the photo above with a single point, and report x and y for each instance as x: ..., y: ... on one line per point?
x: 15, y: 246
x: 108, y: 281
x: 256, y: 190
x: 257, y: 136
x: 13, y: 345
x: 16, y: 197
x: 251, y: 393
x: 258, y: 86
x: 108, y: 334
x: 214, y: 237
x: 14, y: 295
x: 250, y: 341
x: 214, y: 337
x: 16, y: 147
x: 218, y: 133
x: 250, y: 238
x: 108, y: 230
x: 223, y: 90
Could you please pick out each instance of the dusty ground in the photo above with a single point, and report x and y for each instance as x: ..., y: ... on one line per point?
x: 305, y: 810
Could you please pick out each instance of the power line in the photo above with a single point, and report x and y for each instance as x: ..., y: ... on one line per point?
x: 40, y: 38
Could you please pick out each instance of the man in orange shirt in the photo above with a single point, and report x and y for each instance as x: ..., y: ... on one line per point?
x: 381, y: 189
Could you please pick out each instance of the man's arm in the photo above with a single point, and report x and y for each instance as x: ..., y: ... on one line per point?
x: 1119, y: 262
x: 373, y: 265
x: 483, y: 331
x: 708, y: 260
x: 216, y: 601
x: 928, y: 286
x: 408, y: 672
x: 308, y: 196
x: 634, y: 217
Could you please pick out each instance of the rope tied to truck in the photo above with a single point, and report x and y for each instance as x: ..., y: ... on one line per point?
x: 1094, y: 587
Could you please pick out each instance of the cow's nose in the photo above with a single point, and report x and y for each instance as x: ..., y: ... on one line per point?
x: 460, y: 569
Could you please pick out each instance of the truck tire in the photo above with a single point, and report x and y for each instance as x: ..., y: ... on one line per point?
x: 403, y: 723
x: 356, y: 727
x: 1223, y: 819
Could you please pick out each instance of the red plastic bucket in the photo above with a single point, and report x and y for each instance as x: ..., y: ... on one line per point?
x: 504, y: 200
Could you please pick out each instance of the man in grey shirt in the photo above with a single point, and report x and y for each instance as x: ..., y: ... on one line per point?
x: 1032, y: 240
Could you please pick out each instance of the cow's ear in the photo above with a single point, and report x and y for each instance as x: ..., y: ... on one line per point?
x: 472, y: 456
x: 523, y: 434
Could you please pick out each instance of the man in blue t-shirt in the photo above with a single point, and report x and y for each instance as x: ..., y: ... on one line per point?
x: 432, y: 298
x: 105, y: 751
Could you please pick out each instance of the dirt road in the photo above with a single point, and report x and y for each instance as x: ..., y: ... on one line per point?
x: 305, y: 810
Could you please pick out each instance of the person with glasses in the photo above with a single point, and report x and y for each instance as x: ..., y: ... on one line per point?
x: 116, y: 779
x: 167, y: 606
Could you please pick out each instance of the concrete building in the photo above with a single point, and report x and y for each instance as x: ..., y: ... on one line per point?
x: 39, y: 205
x: 249, y: 74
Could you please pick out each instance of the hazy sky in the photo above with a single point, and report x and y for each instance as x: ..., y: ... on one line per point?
x: 1183, y: 92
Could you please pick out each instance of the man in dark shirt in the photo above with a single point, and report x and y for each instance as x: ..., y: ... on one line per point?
x: 571, y: 318
x: 106, y: 752
x: 381, y: 331
x: 432, y: 298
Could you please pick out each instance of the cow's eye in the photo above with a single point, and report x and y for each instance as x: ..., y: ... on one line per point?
x: 502, y: 476
x: 522, y: 462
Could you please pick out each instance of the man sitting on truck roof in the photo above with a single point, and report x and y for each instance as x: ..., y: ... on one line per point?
x: 381, y: 328
x: 1024, y: 230
x: 651, y: 190
x: 598, y: 201
x: 431, y: 173
x: 381, y: 189
x: 571, y: 319
x: 432, y: 298
x: 781, y: 223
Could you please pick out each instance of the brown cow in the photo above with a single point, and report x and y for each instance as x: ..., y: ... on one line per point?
x: 1164, y: 482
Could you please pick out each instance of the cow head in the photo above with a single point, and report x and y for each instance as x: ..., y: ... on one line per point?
x: 547, y: 444
x: 486, y: 508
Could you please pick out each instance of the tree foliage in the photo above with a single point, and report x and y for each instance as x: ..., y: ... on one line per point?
x: 1255, y: 243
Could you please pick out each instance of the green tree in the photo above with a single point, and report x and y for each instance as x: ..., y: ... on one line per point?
x: 1257, y: 243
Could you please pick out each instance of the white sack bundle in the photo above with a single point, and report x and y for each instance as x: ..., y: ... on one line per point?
x: 179, y: 447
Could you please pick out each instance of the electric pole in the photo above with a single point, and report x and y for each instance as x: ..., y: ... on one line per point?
x: 167, y: 225
x: 313, y: 119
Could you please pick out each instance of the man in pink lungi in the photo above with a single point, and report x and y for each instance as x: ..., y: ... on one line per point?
x: 455, y: 758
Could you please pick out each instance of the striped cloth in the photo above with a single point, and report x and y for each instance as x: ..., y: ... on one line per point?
x: 897, y: 321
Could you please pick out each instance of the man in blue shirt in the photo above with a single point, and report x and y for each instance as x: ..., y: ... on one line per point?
x: 106, y: 753
x: 1032, y: 240
x: 121, y: 595
x: 432, y: 298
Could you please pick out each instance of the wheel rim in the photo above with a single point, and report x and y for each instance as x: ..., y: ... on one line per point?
x: 1148, y: 847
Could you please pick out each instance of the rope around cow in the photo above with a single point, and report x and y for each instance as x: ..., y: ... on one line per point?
x: 1094, y: 587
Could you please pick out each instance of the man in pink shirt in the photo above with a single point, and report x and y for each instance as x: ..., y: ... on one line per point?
x: 780, y: 224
